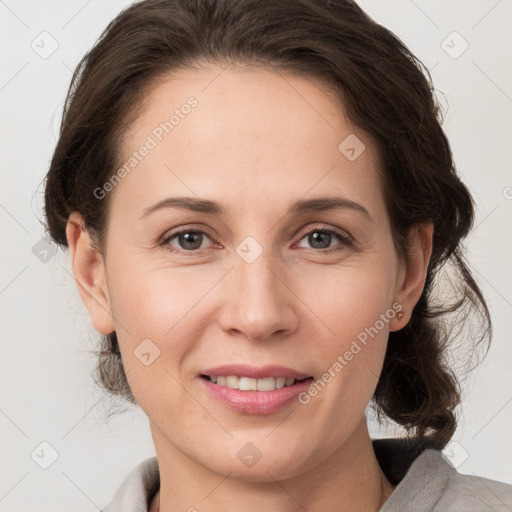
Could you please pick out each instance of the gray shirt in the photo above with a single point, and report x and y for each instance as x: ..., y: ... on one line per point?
x: 425, y: 481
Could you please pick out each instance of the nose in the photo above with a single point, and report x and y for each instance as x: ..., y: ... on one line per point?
x: 260, y: 303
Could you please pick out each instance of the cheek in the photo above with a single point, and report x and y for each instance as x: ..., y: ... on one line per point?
x: 152, y: 298
x: 350, y: 298
x: 159, y: 315
x: 355, y: 306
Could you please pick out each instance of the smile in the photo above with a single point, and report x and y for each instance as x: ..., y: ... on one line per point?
x: 250, y: 384
x: 254, y: 390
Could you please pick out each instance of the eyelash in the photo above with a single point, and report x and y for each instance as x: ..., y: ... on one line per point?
x: 346, y: 240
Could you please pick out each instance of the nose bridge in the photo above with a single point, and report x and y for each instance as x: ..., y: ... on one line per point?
x: 257, y: 276
x: 259, y: 304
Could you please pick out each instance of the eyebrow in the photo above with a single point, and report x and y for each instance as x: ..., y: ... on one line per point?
x: 300, y: 206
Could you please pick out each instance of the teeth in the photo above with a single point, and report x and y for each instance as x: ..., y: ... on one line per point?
x: 267, y: 384
x: 232, y: 382
x: 248, y: 384
x: 243, y: 383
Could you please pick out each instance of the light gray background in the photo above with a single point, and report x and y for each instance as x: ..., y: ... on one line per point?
x: 47, y: 393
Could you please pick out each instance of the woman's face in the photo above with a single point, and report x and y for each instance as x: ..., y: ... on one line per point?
x: 257, y: 282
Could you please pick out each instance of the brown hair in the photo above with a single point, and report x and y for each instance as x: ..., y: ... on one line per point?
x: 385, y: 91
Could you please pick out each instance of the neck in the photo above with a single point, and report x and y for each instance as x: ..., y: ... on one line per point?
x: 349, y: 479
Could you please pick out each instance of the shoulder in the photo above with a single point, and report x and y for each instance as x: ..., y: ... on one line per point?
x: 427, y: 482
x: 475, y: 493
x: 137, y: 489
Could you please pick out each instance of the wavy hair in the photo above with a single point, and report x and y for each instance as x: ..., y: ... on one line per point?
x: 384, y: 89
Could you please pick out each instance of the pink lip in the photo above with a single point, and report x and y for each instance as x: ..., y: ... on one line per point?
x: 244, y: 370
x: 255, y: 402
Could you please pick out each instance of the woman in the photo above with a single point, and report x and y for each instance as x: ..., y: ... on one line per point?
x: 259, y: 201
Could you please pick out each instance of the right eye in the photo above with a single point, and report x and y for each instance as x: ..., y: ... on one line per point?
x: 188, y: 240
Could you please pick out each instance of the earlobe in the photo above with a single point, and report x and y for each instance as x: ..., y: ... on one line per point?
x: 412, y: 278
x: 89, y: 272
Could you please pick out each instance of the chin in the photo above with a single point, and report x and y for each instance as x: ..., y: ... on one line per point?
x: 246, y: 463
x: 262, y: 472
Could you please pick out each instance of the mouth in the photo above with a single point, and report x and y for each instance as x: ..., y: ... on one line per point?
x: 251, y: 384
x: 257, y: 391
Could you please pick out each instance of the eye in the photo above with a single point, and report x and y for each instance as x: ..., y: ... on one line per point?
x: 320, y: 238
x: 187, y: 240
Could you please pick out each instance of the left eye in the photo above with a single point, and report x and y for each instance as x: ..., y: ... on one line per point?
x: 321, y: 238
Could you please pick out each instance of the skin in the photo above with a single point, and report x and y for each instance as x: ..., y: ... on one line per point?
x: 257, y: 141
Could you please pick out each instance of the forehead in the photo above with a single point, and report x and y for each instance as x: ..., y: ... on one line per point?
x: 239, y: 130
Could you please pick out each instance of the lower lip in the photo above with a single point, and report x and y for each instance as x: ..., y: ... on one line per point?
x: 256, y: 402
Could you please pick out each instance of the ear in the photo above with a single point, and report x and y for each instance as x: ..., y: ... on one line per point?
x: 413, y: 273
x: 89, y: 272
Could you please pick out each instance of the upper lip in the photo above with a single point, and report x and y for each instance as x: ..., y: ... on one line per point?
x: 245, y: 370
